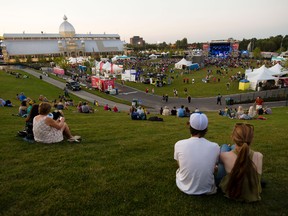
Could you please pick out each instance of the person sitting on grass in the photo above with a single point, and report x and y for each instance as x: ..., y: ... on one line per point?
x: 166, y: 111
x: 115, y: 109
x: 48, y: 130
x: 187, y: 112
x: 107, y: 108
x: 252, y: 112
x: 22, y: 111
x: 79, y: 107
x: 242, y: 165
x: 174, y: 111
x: 85, y: 108
x: 27, y: 133
x: 197, y: 158
x: 181, y: 111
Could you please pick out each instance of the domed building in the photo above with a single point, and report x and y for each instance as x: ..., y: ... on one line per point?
x: 66, y: 43
x: 66, y: 29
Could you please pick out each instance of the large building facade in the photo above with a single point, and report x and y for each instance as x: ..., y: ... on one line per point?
x: 137, y: 41
x: 20, y: 47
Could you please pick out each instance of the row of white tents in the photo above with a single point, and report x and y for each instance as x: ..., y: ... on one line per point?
x: 107, y: 67
x: 263, y: 74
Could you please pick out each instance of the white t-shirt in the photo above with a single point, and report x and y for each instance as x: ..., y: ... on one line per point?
x: 197, y: 158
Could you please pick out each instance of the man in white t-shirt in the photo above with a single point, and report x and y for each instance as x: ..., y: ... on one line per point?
x: 197, y: 158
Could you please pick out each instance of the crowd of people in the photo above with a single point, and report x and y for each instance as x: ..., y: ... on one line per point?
x: 234, y: 169
x: 179, y: 112
x: 44, y: 118
x: 223, y: 165
x: 255, y: 111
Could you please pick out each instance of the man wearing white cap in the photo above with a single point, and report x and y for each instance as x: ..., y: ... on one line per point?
x: 197, y: 158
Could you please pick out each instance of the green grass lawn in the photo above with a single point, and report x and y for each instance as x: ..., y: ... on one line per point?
x: 122, y: 167
x: 199, y: 88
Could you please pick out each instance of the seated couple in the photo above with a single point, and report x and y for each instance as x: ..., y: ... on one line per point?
x: 183, y: 112
x: 138, y: 113
x: 238, y: 171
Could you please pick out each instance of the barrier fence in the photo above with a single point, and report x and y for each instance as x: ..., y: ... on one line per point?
x: 280, y: 94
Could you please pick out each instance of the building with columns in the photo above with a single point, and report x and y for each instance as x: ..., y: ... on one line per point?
x: 20, y: 47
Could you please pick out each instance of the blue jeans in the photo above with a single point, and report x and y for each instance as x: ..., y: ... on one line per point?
x: 221, y: 170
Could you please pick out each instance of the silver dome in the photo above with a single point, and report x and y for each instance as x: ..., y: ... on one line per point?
x: 66, y: 29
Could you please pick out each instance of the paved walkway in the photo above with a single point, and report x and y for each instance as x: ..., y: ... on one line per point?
x: 153, y: 102
x: 203, y: 104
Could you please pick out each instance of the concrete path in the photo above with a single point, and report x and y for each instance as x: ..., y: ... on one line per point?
x: 203, y: 104
x: 153, y: 102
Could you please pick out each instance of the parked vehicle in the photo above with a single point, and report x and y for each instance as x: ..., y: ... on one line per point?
x: 73, y: 85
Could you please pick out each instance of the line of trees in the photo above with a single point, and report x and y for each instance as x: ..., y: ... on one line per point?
x: 277, y: 43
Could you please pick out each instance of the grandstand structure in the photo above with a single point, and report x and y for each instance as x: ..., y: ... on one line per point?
x: 221, y: 48
x: 20, y: 47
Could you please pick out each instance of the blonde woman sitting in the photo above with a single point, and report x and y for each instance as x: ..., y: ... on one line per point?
x: 242, y: 165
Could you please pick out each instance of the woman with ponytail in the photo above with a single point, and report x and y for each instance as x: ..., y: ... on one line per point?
x: 243, y: 167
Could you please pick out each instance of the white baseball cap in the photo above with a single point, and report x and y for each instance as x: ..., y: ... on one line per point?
x: 198, y: 121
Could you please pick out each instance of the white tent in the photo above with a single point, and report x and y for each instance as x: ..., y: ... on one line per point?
x: 77, y: 60
x: 115, y: 69
x: 153, y: 56
x: 99, y: 66
x: 258, y: 75
x: 181, y: 63
x: 278, y: 70
x: 254, y: 72
x: 115, y: 58
x: 106, y: 66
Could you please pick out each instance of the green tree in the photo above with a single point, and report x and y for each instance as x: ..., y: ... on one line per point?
x: 62, y: 63
x: 257, y: 53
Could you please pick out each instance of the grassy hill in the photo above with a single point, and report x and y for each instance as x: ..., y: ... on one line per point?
x: 122, y: 167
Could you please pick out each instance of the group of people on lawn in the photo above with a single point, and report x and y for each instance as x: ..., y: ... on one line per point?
x: 254, y: 112
x: 179, y: 112
x: 42, y: 124
x: 204, y: 166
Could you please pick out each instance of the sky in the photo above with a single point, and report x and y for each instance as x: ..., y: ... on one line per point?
x: 154, y: 20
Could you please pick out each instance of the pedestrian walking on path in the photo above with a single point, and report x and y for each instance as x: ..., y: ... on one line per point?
x: 219, y: 99
x: 189, y: 99
x: 166, y: 98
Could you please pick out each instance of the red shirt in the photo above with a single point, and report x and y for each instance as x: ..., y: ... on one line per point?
x: 259, y: 101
